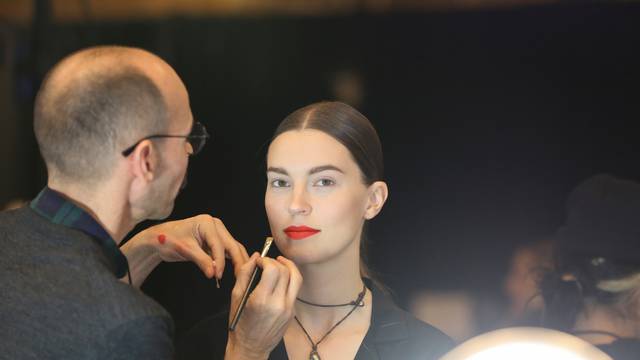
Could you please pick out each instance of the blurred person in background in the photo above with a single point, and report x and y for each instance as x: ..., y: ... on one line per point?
x: 463, y: 314
x: 347, y: 86
x: 594, y: 289
x: 14, y: 204
x: 528, y: 264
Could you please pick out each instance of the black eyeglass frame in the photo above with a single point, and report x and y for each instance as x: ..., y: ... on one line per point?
x: 197, y: 139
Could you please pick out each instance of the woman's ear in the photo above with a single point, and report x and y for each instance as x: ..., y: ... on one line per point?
x: 378, y: 193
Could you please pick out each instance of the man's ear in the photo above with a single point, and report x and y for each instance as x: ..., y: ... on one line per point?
x: 378, y: 193
x: 144, y: 161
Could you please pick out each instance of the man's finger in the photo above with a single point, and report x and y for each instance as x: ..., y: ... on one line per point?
x: 295, y: 279
x: 280, y: 290
x: 270, y: 276
x: 216, y: 244
x: 237, y: 254
x: 244, y: 275
x: 243, y: 251
x: 199, y: 257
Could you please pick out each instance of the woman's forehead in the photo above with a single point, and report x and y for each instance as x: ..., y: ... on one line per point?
x: 307, y: 148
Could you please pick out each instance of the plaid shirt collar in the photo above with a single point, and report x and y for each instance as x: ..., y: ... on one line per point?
x: 56, y: 208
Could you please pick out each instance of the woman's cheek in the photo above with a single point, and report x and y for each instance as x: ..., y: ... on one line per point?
x: 273, y: 215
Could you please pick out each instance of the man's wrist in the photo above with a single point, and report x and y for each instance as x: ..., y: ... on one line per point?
x: 234, y: 352
x: 143, y: 248
x: 150, y: 244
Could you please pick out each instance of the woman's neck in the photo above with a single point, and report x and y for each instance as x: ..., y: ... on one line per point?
x: 337, y: 281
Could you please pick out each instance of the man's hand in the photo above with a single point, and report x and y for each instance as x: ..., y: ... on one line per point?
x: 201, y: 239
x: 269, y: 308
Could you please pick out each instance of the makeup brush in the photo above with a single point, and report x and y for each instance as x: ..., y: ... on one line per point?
x: 252, y: 284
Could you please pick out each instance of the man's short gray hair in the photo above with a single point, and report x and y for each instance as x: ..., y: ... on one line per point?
x: 83, y: 125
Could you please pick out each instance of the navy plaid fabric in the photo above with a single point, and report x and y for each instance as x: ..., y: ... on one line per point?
x: 54, y: 207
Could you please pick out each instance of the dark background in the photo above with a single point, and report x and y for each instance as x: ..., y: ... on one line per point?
x: 488, y: 119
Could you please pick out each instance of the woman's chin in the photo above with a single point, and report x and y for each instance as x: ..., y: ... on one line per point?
x: 300, y: 256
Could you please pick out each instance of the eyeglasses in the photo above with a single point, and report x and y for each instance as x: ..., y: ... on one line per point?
x: 197, y: 138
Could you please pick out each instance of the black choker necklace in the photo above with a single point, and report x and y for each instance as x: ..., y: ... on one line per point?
x: 358, y: 302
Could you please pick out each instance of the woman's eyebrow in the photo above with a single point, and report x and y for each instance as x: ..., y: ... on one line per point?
x: 314, y: 170
x: 318, y: 169
x: 277, y: 170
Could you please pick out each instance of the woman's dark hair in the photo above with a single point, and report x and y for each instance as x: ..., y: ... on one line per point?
x: 597, y: 252
x: 577, y: 280
x: 350, y: 128
x: 574, y: 281
x: 347, y: 126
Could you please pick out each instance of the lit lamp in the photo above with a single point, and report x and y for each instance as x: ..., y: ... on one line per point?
x: 526, y: 343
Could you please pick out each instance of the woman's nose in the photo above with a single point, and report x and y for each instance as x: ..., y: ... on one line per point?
x: 299, y: 204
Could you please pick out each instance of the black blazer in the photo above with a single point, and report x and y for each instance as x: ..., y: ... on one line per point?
x: 394, y: 334
x: 622, y: 349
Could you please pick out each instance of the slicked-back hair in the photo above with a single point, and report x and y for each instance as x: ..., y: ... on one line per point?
x: 82, y: 126
x: 349, y: 127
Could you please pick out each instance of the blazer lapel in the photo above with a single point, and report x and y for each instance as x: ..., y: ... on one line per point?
x: 388, y: 331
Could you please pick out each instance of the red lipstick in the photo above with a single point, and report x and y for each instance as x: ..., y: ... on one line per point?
x: 300, y: 232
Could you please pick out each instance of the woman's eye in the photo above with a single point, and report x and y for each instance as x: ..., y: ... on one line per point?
x: 278, y: 183
x: 324, y: 182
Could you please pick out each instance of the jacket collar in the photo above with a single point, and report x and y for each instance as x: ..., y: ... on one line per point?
x: 388, y: 326
x: 387, y: 330
x: 53, y: 206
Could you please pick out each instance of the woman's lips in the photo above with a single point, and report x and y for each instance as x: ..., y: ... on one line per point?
x: 300, y: 232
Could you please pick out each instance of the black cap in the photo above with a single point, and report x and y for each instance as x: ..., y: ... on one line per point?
x: 603, y: 221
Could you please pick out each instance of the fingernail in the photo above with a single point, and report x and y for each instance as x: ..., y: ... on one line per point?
x: 215, y: 276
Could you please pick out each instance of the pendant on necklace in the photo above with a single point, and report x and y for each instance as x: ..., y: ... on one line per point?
x: 313, y: 355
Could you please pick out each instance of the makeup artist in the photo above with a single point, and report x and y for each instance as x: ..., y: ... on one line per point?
x: 324, y: 182
x: 115, y: 129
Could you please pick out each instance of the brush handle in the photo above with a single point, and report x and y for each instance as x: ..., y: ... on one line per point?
x: 253, y: 282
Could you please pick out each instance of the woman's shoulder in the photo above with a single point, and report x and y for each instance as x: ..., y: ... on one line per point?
x: 622, y: 349
x: 425, y: 338
x: 398, y: 331
x: 422, y: 330
x: 206, y: 340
